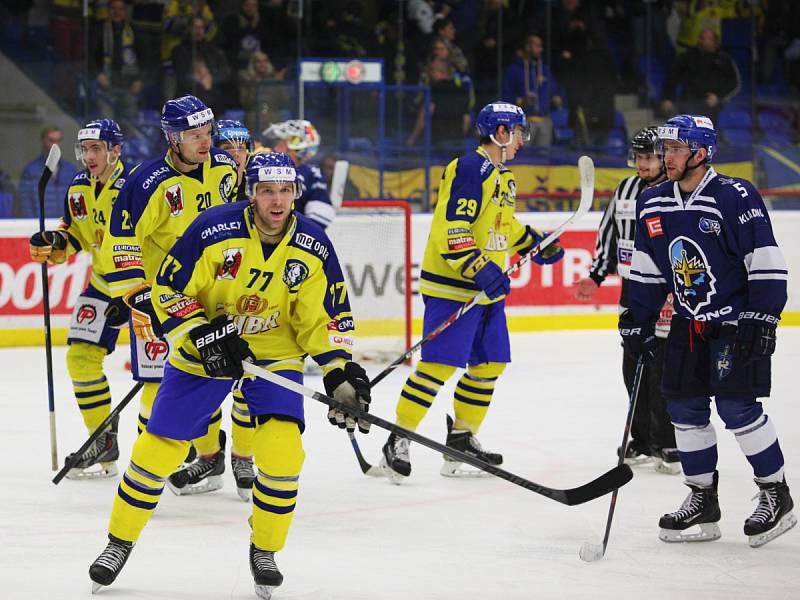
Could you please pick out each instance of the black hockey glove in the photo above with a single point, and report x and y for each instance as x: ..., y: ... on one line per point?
x: 117, y: 313
x: 638, y: 339
x: 221, y: 349
x: 755, y: 335
x: 350, y: 386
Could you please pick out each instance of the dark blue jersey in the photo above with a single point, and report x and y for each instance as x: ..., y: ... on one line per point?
x: 713, y: 249
x: 314, y: 201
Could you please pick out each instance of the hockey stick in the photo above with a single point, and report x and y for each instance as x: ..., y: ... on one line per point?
x: 49, y: 168
x: 76, y: 456
x: 607, y: 482
x: 338, y: 182
x: 586, y: 172
x: 591, y: 552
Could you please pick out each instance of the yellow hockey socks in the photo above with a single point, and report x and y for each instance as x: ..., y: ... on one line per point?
x: 85, y: 366
x: 473, y: 394
x: 419, y: 392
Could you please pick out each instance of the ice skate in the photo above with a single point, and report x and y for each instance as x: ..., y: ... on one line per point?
x: 202, y: 476
x: 469, y: 444
x: 701, y: 508
x: 244, y: 474
x: 667, y: 461
x: 266, y: 575
x: 773, y: 516
x: 395, y: 460
x: 99, y: 459
x: 106, y: 567
x: 636, y: 454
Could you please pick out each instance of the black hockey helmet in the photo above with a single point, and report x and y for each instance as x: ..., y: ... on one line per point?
x: 644, y: 141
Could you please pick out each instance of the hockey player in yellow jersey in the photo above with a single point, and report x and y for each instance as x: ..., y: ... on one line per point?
x: 156, y: 205
x: 253, y: 282
x: 92, y: 331
x: 473, y: 232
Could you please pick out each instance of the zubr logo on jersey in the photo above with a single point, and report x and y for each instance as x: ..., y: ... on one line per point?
x: 231, y: 261
x: 155, y: 350
x: 174, y: 198
x: 694, y: 281
x: 86, y: 314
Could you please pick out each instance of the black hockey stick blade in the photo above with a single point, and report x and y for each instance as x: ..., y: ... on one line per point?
x: 615, y: 478
x: 366, y: 468
x: 76, y: 456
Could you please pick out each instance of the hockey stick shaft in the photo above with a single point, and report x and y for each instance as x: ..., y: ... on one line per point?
x: 604, y: 484
x: 49, y: 168
x: 76, y: 456
x: 586, y: 170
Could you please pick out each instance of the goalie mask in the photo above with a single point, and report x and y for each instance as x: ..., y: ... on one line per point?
x: 301, y: 137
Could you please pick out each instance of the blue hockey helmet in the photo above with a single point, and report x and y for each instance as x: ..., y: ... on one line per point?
x: 693, y: 130
x: 106, y: 130
x: 270, y: 166
x: 501, y: 113
x: 184, y: 113
x: 230, y: 130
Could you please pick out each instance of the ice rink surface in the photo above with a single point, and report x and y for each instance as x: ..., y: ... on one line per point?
x: 557, y: 416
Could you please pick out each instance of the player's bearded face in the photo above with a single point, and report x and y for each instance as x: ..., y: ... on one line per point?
x: 676, y: 157
x: 648, y: 165
x: 196, y: 143
x: 272, y: 205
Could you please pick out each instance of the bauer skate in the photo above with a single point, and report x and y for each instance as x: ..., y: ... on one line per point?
x: 395, y: 460
x: 106, y: 567
x: 701, y: 507
x: 99, y: 459
x: 266, y: 575
x: 667, y: 461
x: 202, y: 476
x: 773, y: 516
x: 469, y: 444
x: 244, y: 474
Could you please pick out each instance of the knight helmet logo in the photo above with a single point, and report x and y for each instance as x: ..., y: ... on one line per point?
x: 294, y: 274
x: 231, y: 261
x: 77, y: 206
x: 174, y: 197
x: 693, y: 279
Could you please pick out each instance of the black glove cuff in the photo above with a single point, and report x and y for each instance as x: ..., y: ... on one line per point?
x: 333, y: 380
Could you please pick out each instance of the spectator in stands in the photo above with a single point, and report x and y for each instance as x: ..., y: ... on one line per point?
x: 59, y: 182
x: 445, y: 32
x: 449, y: 108
x: 146, y: 18
x: 66, y: 40
x: 8, y: 196
x: 263, y: 106
x: 350, y: 34
x: 241, y: 34
x: 210, y: 80
x: 529, y: 83
x: 706, y: 76
x: 116, y: 65
x: 177, y: 24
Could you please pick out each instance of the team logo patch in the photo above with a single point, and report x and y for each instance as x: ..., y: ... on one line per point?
x: 294, y: 274
x: 692, y: 276
x: 231, y: 261
x: 86, y: 314
x: 724, y: 362
x: 654, y: 226
x: 251, y: 304
x: 77, y: 206
x: 709, y: 225
x: 153, y: 350
x: 226, y: 187
x: 174, y: 198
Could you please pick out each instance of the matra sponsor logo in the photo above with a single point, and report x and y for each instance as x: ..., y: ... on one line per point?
x: 710, y: 225
x: 219, y: 228
x: 340, y: 340
x: 251, y: 304
x: 77, y: 206
x: 231, y: 261
x: 126, y: 248
x: 250, y: 325
x: 461, y: 242
x: 124, y: 261
x: 750, y: 214
x: 183, y: 307
x: 654, y: 226
x: 156, y: 349
x: 312, y: 245
x: 173, y: 196
x: 154, y: 176
x: 86, y: 314
x: 345, y: 324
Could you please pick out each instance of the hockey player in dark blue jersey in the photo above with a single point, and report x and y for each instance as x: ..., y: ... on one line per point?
x: 707, y: 238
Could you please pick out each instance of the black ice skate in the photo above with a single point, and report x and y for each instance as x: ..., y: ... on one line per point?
x: 395, y: 461
x: 773, y: 516
x: 106, y: 567
x: 469, y: 444
x: 266, y: 575
x: 244, y: 474
x: 667, y: 461
x: 701, y: 507
x: 636, y: 453
x: 203, y: 475
x: 99, y: 459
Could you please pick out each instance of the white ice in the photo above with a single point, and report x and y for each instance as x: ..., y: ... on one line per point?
x: 557, y: 416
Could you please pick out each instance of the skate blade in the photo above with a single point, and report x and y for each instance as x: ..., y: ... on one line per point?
x: 392, y: 475
x: 96, y: 587
x: 708, y: 533
x: 457, y: 469
x: 244, y: 493
x: 209, y: 484
x: 265, y: 591
x: 785, y: 524
x: 667, y: 468
x: 639, y: 460
x: 104, y: 470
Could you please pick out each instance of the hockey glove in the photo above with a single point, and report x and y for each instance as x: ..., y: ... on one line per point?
x: 546, y: 256
x: 489, y: 277
x: 350, y: 386
x: 117, y: 313
x: 48, y: 245
x: 221, y: 349
x: 638, y: 339
x: 755, y: 335
x: 145, y: 324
